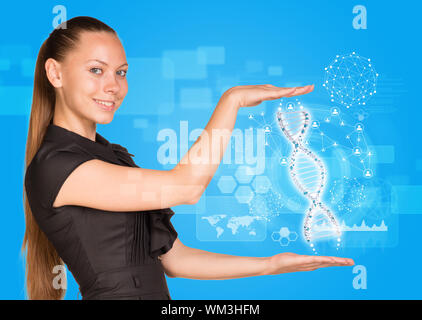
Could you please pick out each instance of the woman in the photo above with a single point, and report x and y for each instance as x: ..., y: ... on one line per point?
x: 88, y: 205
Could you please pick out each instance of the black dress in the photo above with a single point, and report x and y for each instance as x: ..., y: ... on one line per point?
x: 112, y: 255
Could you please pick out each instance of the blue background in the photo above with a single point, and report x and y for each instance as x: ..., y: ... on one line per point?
x: 301, y: 38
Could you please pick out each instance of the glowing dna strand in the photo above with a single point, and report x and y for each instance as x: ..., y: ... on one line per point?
x: 308, y: 174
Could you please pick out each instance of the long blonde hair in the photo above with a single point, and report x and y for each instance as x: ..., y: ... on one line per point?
x: 40, y: 255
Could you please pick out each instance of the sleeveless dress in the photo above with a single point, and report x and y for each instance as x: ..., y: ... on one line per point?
x: 112, y: 255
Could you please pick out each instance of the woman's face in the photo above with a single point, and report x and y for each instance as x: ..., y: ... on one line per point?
x: 94, y: 77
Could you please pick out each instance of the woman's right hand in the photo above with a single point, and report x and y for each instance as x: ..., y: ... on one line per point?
x: 253, y: 95
x: 291, y: 262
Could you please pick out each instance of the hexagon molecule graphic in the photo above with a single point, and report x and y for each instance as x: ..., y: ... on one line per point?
x: 261, y: 184
x: 244, y: 194
x: 226, y: 184
x: 284, y: 236
x: 244, y: 174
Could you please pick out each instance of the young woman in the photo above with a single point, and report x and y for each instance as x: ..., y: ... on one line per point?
x: 89, y: 206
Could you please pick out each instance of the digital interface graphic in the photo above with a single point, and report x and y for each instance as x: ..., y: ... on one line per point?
x: 350, y: 80
x: 353, y: 174
x: 319, y: 163
x: 309, y: 174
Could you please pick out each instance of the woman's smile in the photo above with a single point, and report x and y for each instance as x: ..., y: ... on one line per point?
x: 105, y: 104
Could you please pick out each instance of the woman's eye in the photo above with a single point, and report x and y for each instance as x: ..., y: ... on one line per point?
x: 96, y: 70
x: 122, y: 73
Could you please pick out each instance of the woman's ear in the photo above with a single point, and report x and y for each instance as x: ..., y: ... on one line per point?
x: 52, y: 69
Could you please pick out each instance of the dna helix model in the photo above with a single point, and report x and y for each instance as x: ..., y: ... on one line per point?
x: 308, y: 174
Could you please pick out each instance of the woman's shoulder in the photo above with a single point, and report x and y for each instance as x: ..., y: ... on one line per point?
x: 50, y: 166
x: 60, y: 145
x: 54, y: 153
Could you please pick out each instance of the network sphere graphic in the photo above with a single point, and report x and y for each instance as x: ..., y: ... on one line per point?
x: 350, y: 80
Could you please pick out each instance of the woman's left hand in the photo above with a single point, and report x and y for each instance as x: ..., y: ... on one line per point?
x: 292, y: 262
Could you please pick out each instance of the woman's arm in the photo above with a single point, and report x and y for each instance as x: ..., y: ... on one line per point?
x: 105, y: 186
x: 185, y: 262
x: 202, y: 160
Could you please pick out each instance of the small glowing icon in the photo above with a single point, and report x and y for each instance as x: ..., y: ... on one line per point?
x: 368, y: 173
x: 290, y: 106
x: 359, y: 127
x: 283, y: 161
x: 335, y: 112
x: 267, y: 129
x: 315, y: 124
x: 357, y: 151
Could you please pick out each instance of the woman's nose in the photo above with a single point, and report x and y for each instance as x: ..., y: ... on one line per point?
x: 111, y: 85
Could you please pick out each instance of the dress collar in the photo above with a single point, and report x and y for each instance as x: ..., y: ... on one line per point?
x: 63, y: 132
